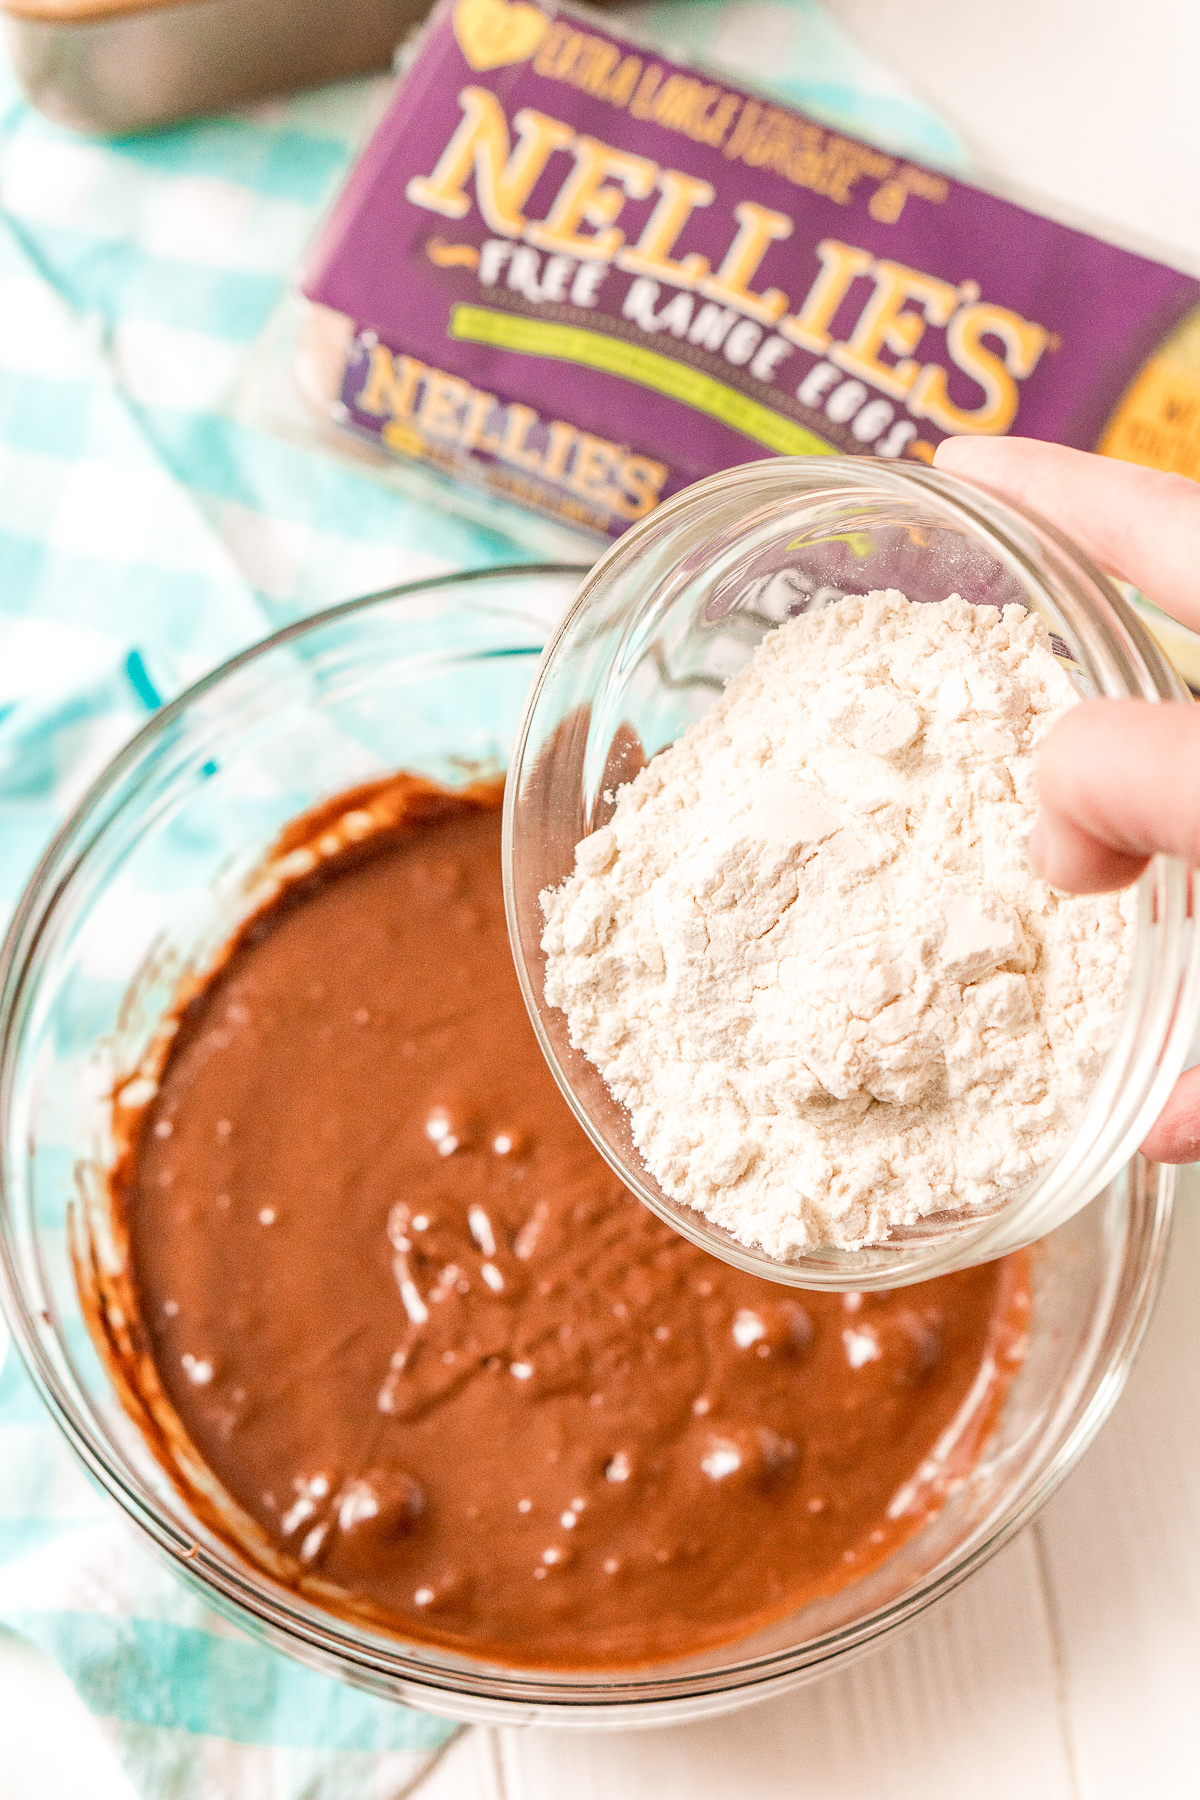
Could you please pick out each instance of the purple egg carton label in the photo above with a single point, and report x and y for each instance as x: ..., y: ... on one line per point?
x: 588, y: 276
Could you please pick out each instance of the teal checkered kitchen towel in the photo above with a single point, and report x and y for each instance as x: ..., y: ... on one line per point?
x: 143, y: 538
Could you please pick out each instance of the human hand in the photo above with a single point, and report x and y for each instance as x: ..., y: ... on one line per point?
x: 1118, y: 780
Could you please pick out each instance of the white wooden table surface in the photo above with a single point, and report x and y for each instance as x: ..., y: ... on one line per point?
x: 1069, y: 1669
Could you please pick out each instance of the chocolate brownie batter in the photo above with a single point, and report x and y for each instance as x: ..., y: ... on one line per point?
x: 456, y: 1380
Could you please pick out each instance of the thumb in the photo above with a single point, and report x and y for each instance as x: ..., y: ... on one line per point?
x: 1118, y: 780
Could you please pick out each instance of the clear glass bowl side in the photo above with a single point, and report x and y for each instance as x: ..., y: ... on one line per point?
x: 659, y: 626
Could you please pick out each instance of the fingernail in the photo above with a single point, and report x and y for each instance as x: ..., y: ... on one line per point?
x: 1037, y: 847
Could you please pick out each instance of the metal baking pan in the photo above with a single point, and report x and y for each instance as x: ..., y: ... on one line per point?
x: 120, y: 66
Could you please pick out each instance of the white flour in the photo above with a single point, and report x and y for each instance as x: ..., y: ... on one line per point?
x: 808, y: 953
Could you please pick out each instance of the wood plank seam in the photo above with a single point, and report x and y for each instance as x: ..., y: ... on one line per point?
x: 496, y: 1761
x: 1054, y: 1632
x: 414, y: 1787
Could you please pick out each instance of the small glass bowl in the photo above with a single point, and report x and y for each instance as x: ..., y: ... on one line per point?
x: 659, y: 626
x: 151, y: 872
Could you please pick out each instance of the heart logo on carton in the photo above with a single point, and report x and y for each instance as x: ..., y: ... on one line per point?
x: 492, y: 33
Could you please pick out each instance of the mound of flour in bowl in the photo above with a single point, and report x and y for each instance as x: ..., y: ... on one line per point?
x: 808, y: 954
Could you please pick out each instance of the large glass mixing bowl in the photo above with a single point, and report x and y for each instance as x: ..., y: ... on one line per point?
x: 151, y: 872
x: 659, y: 626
